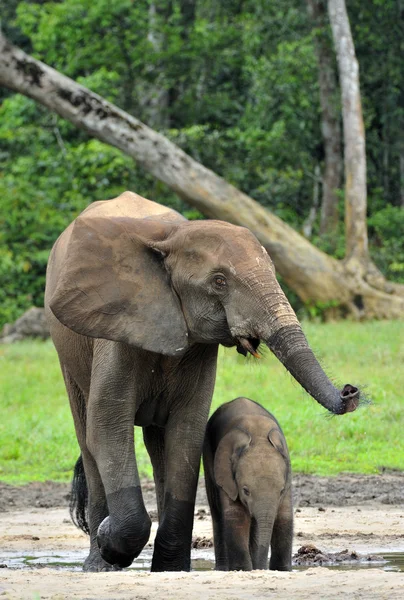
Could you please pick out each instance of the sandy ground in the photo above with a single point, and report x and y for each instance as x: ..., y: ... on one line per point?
x: 361, y: 514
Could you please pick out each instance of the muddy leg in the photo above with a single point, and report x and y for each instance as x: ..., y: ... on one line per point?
x: 94, y: 490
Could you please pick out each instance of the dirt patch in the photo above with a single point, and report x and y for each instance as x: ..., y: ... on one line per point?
x: 349, y: 490
x: 41, y: 495
x: 309, y: 490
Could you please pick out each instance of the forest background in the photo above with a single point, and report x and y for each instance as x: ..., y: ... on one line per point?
x: 233, y: 83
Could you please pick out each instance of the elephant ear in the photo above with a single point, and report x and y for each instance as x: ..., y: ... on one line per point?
x: 112, y: 284
x: 227, y: 455
x: 277, y: 440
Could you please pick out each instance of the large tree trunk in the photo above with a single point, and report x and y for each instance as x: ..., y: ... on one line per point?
x: 313, y: 275
x: 354, y: 138
x: 158, y: 98
x: 330, y: 123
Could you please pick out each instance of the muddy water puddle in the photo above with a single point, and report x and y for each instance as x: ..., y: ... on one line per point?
x: 202, y: 560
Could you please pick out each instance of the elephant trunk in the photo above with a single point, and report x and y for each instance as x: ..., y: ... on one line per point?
x: 268, y: 316
x: 264, y: 523
x: 290, y: 346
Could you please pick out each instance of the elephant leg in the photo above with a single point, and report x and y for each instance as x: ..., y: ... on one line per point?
x: 110, y: 440
x: 172, y: 546
x: 221, y: 560
x: 282, y: 536
x: 213, y: 495
x: 236, y: 529
x: 97, y: 505
x: 153, y: 437
x: 184, y: 434
x: 97, y: 512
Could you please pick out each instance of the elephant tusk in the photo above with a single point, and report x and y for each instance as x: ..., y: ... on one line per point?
x: 246, y: 344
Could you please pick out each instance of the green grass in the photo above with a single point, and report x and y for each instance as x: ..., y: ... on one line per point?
x: 37, y: 440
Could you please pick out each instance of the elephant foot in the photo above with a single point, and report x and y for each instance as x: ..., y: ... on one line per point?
x: 94, y: 563
x: 122, y: 549
x: 172, y: 545
x: 176, y: 559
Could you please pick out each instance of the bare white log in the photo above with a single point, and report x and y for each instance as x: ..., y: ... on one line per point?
x: 330, y: 118
x: 354, y: 136
x: 312, y: 216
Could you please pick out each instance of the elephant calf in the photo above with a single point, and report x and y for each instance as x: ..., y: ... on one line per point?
x: 248, y: 484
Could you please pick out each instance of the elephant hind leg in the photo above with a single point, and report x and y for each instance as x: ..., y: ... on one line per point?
x: 88, y: 507
x: 78, y: 506
x: 153, y: 437
x: 216, y: 510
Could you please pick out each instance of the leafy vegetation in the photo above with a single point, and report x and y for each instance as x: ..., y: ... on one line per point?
x: 235, y: 84
x: 37, y: 440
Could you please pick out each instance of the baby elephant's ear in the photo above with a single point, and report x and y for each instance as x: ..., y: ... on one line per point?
x: 111, y: 284
x: 227, y: 455
x: 277, y: 440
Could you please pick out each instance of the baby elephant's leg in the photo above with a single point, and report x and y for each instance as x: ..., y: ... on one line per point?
x: 236, y: 526
x: 282, y: 536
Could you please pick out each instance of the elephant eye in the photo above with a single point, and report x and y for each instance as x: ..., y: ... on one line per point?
x: 220, y: 281
x: 246, y: 491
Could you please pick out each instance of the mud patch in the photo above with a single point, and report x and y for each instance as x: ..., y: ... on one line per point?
x: 311, y: 556
x: 202, y: 542
x: 349, y: 489
x: 309, y: 490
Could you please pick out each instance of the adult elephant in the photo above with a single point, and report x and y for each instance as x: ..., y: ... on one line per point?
x: 138, y: 300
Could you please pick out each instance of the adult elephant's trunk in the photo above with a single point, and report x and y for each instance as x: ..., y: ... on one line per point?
x: 264, y: 313
x: 290, y: 346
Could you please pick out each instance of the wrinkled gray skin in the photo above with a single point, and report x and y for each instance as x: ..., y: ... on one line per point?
x: 138, y: 300
x: 249, y: 488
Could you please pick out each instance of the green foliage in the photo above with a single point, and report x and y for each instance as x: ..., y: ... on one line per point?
x: 234, y: 84
x: 378, y: 30
x: 37, y: 440
x: 386, y: 228
x: 44, y: 189
x: 320, y: 311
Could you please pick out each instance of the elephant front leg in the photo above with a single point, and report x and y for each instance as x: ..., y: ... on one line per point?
x: 213, y: 494
x: 124, y: 533
x: 282, y: 536
x: 110, y: 439
x: 236, y: 529
x: 185, y: 431
x: 172, y: 546
x: 97, y: 512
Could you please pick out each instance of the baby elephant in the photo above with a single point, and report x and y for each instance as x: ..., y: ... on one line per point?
x: 248, y: 484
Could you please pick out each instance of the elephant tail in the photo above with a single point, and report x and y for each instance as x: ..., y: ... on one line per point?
x: 78, y: 506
